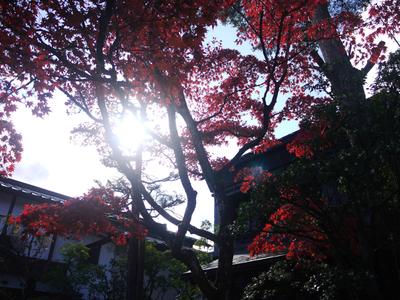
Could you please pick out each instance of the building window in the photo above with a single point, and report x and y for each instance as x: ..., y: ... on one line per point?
x: 94, y: 253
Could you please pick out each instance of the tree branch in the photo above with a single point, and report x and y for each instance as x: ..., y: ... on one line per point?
x: 376, y: 52
x: 191, y: 194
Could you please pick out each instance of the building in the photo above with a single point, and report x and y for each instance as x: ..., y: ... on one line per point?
x: 246, y: 267
x: 23, y: 262
x: 46, y: 253
x: 275, y: 158
x: 20, y: 257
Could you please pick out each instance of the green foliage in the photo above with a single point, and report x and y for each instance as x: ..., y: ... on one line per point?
x: 75, y: 253
x: 78, y: 274
x: 367, y: 173
x: 281, y: 281
x: 164, y: 273
x: 203, y: 243
x: 304, y: 280
x: 349, y: 187
x: 388, y: 79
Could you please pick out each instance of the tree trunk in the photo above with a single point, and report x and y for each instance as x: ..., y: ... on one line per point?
x: 224, y: 272
x: 346, y: 81
x: 347, y: 84
x: 226, y: 213
x: 135, y: 269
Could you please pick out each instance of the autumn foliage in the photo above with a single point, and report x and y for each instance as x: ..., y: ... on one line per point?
x: 150, y: 59
x: 53, y: 48
x: 99, y: 212
x: 336, y: 204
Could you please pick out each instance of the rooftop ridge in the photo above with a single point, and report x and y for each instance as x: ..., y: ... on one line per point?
x: 283, y: 141
x: 26, y: 188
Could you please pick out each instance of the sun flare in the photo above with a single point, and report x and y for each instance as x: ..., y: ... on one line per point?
x: 130, y: 133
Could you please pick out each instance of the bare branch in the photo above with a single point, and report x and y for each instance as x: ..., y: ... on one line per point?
x: 81, y: 106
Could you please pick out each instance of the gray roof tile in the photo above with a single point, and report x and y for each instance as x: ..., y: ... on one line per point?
x: 8, y: 184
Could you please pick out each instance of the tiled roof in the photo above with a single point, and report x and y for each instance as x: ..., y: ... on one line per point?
x: 273, y: 159
x: 14, y: 186
x: 240, y: 259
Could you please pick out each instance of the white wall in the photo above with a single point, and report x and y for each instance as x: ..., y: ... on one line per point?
x: 5, y: 202
x: 107, y: 253
x: 10, y: 281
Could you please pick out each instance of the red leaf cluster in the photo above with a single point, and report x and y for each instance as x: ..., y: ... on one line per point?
x: 250, y: 177
x: 279, y: 235
x: 10, y: 147
x: 154, y: 51
x: 99, y: 212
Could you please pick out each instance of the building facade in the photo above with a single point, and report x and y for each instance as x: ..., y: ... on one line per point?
x: 23, y: 260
